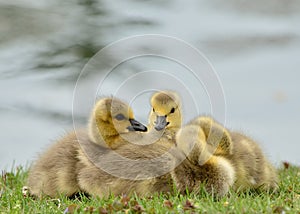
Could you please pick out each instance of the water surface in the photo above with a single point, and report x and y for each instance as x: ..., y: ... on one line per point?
x: 253, y: 46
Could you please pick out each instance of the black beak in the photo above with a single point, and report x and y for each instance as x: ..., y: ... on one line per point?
x: 161, y: 123
x: 136, y: 126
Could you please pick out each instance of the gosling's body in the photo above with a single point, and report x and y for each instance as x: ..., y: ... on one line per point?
x: 128, y: 169
x: 55, y: 172
x: 253, y: 169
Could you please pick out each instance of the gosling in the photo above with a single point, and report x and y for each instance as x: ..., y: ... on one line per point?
x: 56, y: 171
x: 199, y: 167
x: 253, y: 170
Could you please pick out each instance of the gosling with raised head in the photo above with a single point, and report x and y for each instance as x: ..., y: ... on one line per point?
x: 56, y: 170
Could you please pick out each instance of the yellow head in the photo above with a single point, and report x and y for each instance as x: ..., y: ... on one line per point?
x: 166, y: 111
x: 192, y: 142
x: 111, y: 117
x: 217, y: 136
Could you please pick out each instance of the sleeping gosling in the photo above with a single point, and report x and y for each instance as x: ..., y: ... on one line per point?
x: 253, y: 170
x: 199, y: 167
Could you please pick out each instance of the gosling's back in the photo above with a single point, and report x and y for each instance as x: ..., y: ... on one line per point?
x: 55, y: 171
x: 252, y: 167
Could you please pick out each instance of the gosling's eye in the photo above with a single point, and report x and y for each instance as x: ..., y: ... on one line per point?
x: 172, y: 110
x: 120, y: 117
x: 153, y: 110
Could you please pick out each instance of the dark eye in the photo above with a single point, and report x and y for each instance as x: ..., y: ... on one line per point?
x: 153, y: 110
x: 120, y: 117
x: 172, y: 110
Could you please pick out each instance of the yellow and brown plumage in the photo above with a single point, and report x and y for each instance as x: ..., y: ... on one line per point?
x: 253, y: 170
x: 56, y: 170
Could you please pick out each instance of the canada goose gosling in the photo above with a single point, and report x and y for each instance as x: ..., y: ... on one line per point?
x: 201, y: 167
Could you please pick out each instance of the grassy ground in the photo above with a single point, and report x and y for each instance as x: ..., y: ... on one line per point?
x: 287, y: 200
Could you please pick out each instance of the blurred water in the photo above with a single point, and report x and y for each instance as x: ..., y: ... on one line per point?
x: 254, y: 47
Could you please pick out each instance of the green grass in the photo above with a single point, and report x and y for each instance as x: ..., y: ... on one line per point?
x: 287, y: 200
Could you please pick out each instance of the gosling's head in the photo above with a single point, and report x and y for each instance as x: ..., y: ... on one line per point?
x: 217, y: 136
x: 166, y: 111
x: 112, y: 117
x: 192, y: 142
